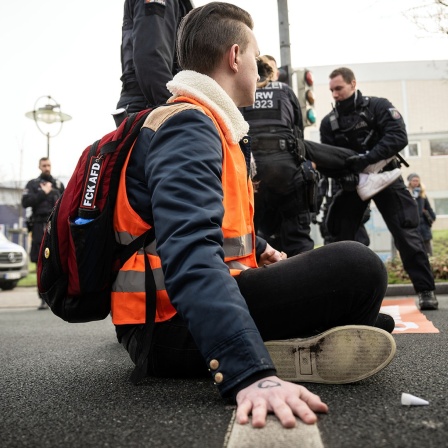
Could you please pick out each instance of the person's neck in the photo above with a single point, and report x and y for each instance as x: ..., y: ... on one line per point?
x: 226, y: 83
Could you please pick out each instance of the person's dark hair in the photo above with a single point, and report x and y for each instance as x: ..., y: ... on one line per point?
x: 207, y: 32
x: 265, y: 71
x: 43, y: 159
x: 347, y: 75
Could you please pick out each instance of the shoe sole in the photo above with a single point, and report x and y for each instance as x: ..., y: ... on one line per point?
x: 340, y: 355
x: 428, y: 307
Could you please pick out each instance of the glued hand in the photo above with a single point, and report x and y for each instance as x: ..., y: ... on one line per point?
x: 273, y: 395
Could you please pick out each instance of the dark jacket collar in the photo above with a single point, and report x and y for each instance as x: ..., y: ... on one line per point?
x: 350, y: 104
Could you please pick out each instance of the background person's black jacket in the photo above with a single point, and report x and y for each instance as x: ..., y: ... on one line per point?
x: 389, y: 136
x: 148, y: 49
x: 41, y: 203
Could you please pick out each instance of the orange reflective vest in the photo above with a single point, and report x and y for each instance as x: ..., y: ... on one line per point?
x: 128, y: 292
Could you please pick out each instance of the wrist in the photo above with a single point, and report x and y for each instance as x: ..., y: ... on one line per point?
x: 251, y: 379
x: 369, y: 159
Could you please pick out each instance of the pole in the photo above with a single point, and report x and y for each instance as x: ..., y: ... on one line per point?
x: 285, y: 45
x: 48, y: 145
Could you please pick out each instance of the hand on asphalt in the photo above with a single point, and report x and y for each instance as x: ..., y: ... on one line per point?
x: 273, y: 395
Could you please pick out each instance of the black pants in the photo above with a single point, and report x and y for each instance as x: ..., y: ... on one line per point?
x: 360, y: 234
x: 132, y: 103
x: 400, y: 213
x: 282, y: 215
x: 338, y: 284
x: 36, y: 239
x: 330, y: 160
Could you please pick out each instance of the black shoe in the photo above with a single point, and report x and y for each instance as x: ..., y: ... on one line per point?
x: 427, y: 300
x: 385, y: 322
x: 43, y: 305
x: 349, y: 182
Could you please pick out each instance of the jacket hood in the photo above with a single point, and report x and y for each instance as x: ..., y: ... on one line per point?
x: 208, y: 92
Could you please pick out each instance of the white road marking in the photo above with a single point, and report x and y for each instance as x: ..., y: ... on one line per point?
x: 273, y: 435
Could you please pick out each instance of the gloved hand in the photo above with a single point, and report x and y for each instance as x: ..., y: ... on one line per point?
x: 357, y: 164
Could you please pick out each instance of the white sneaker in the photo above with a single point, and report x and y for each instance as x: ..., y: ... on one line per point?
x: 337, y: 356
x: 376, y: 182
x: 378, y: 166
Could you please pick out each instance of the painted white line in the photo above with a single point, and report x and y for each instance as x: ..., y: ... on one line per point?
x: 273, y: 435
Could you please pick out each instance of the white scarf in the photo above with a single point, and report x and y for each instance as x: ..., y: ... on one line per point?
x: 208, y: 92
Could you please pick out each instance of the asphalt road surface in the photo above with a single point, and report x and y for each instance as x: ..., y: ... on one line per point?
x: 67, y: 385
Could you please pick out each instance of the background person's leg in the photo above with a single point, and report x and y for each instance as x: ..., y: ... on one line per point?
x: 330, y: 160
x: 399, y: 211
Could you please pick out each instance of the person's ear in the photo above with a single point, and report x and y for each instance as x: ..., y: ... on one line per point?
x: 233, y: 57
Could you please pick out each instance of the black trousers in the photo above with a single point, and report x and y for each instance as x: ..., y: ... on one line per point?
x: 36, y: 239
x: 338, y: 284
x: 282, y: 215
x: 132, y: 103
x: 400, y: 213
x: 395, y: 204
x: 330, y: 160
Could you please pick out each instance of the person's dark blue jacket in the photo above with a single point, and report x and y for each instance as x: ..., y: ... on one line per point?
x: 187, y: 149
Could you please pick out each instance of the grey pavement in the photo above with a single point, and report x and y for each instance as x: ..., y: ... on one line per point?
x: 67, y: 385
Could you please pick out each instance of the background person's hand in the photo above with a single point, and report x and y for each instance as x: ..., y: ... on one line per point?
x: 46, y: 187
x: 271, y: 255
x: 273, y: 395
x: 357, y: 164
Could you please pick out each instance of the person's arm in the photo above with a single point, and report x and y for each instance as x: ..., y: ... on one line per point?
x: 260, y: 246
x: 154, y: 43
x: 390, y: 126
x: 326, y: 134
x: 183, y: 169
x: 430, y: 210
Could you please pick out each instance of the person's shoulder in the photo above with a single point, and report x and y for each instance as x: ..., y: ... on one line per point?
x: 278, y: 85
x: 381, y: 107
x: 187, y: 119
x: 31, y: 186
x: 172, y: 112
x: 35, y: 180
x: 287, y: 87
x: 58, y: 183
x: 376, y: 102
x: 326, y: 118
